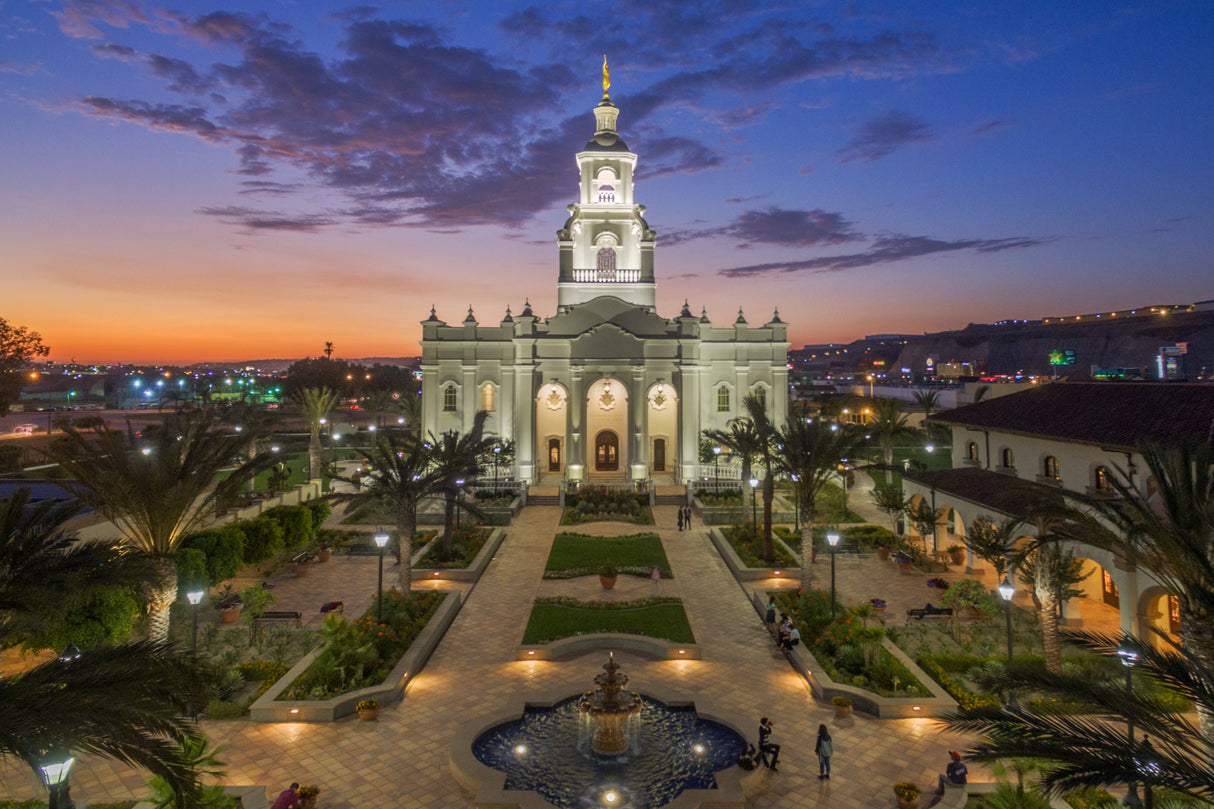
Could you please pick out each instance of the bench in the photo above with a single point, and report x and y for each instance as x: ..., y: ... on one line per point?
x: 934, y: 612
x: 362, y: 550
x: 301, y: 559
x: 279, y: 615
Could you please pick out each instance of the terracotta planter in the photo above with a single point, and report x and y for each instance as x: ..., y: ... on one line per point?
x: 301, y: 570
x: 879, y: 612
x: 843, y: 711
x: 229, y: 616
x: 905, y: 568
x: 324, y: 555
x: 903, y: 803
x: 308, y: 802
x: 957, y: 557
x: 882, y: 553
x: 608, y: 582
x: 368, y: 715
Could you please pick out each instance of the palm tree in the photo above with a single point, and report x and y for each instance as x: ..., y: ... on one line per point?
x: 400, y: 475
x: 742, y: 441
x: 994, y: 544
x: 316, y: 403
x: 810, y: 452
x: 1170, y: 533
x: 127, y: 702
x: 756, y: 408
x: 378, y: 403
x: 929, y: 401
x: 255, y: 422
x: 156, y: 489
x: 1051, y: 572
x: 456, y: 457
x: 888, y: 427
x: 1086, y: 747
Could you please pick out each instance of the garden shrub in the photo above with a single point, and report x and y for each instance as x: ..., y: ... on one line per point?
x: 262, y: 538
x: 104, y: 619
x: 191, y: 569
x: 223, y: 548
x: 296, y: 522
x: 466, y: 542
x: 747, y: 542
x: 595, y: 503
x: 320, y: 510
x: 224, y: 709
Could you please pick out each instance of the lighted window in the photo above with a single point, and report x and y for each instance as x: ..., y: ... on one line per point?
x: 606, y: 258
x: 1103, y: 483
x: 488, y: 398
x: 761, y: 395
x: 1006, y: 459
x: 1050, y: 467
x: 449, y: 398
x: 723, y: 399
x: 971, y: 451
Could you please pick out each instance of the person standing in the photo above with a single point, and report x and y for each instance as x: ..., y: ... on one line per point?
x: 766, y: 746
x: 825, y: 748
x: 680, y: 518
x: 288, y: 798
x: 687, y: 517
x: 771, y: 616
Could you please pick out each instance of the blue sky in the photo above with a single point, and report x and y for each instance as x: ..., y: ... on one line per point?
x: 190, y: 180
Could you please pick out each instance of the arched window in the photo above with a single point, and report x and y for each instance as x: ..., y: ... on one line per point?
x: 606, y: 259
x: 723, y: 399
x: 1049, y: 468
x: 489, y: 398
x: 449, y: 402
x: 971, y: 451
x: 1102, y: 481
x: 1006, y: 459
x: 761, y: 395
x: 606, y: 193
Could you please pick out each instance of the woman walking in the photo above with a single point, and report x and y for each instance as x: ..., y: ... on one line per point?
x: 824, y: 748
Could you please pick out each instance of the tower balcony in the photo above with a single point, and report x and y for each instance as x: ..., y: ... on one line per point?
x: 607, y: 276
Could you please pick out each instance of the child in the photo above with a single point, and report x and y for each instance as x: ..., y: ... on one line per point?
x: 825, y: 748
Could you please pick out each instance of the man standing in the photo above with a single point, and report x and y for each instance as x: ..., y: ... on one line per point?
x: 288, y: 798
x: 766, y: 745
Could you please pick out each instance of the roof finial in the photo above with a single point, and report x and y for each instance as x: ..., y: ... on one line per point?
x: 606, y: 78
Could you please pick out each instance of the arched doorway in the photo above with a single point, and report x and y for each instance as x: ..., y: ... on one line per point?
x: 659, y: 454
x: 551, y: 405
x: 607, y: 452
x: 554, y: 455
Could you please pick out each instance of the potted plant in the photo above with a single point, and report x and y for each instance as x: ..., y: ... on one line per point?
x: 607, y: 576
x: 904, y: 561
x: 878, y: 605
x: 843, y: 707
x: 307, y: 797
x: 301, y: 567
x: 325, y: 552
x: 882, y: 552
x: 229, y: 606
x: 367, y: 709
x: 907, y: 795
x: 956, y: 554
x: 937, y: 583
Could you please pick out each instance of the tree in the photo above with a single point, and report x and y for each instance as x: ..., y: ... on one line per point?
x: 1170, y: 533
x: 1051, y: 572
x: 456, y: 457
x: 742, y: 441
x: 18, y: 345
x: 400, y: 475
x: 316, y: 403
x: 1097, y: 752
x: 924, y: 518
x: 809, y: 452
x: 929, y: 402
x: 887, y: 428
x: 127, y: 702
x: 892, y: 502
x: 993, y: 543
x: 756, y: 408
x: 157, y: 488
x: 378, y: 403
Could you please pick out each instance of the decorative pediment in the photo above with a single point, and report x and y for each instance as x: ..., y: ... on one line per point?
x: 607, y: 340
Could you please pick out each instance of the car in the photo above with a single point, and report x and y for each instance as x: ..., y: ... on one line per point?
x: 25, y: 429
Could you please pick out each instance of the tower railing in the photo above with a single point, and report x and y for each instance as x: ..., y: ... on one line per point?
x: 607, y: 276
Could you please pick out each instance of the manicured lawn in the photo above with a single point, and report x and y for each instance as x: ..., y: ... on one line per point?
x: 578, y: 554
x: 655, y: 618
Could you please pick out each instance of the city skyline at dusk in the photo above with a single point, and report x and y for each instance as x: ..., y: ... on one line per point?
x: 188, y: 182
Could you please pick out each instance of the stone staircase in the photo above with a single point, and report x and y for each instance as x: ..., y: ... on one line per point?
x: 670, y: 496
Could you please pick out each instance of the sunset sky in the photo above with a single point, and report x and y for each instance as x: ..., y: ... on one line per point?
x: 191, y: 180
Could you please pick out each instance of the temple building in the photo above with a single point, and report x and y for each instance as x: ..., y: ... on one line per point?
x: 605, y: 389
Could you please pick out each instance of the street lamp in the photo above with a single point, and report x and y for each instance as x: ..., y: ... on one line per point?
x: 1128, y: 659
x: 497, y: 454
x: 381, y: 542
x: 832, y: 539
x: 53, y: 770
x: 796, y: 503
x: 1006, y: 591
x: 195, y: 598
x: 459, y: 492
x: 754, y: 510
x: 716, y: 470
x: 870, y: 386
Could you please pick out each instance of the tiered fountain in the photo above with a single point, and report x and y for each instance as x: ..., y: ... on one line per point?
x: 610, y: 705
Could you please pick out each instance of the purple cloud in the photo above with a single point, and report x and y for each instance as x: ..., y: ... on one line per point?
x: 884, y: 135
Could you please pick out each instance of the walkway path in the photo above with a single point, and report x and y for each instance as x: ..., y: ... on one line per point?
x: 401, y: 760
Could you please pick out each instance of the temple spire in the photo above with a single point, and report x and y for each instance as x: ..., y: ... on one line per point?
x: 606, y: 79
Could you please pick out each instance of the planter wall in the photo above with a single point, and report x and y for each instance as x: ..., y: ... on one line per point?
x: 471, y: 573
x: 268, y: 708
x: 743, y: 573
x: 608, y: 641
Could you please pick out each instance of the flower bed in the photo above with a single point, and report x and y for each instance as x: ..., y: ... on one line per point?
x: 466, y: 542
x: 362, y: 653
x: 747, y: 542
x: 555, y: 618
x: 598, y: 504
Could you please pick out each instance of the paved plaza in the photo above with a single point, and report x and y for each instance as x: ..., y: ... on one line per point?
x: 401, y: 759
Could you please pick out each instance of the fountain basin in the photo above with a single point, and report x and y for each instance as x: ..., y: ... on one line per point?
x: 724, y: 789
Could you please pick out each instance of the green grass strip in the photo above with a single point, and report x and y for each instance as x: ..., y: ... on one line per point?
x: 666, y: 620
x: 578, y: 552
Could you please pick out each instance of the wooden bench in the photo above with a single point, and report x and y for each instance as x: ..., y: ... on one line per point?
x: 934, y: 612
x: 363, y: 550
x: 279, y: 615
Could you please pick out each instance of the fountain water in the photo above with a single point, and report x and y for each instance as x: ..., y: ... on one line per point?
x: 610, y: 704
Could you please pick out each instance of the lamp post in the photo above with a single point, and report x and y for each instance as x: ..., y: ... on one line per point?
x: 870, y: 386
x: 1006, y: 591
x: 53, y: 770
x: 754, y: 509
x: 195, y: 598
x: 336, y: 438
x: 497, y: 454
x: 1128, y: 659
x: 459, y: 496
x: 381, y: 542
x: 832, y: 539
x: 796, y: 503
x: 716, y: 470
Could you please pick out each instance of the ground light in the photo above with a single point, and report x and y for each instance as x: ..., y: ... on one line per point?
x: 1006, y: 591
x: 832, y: 539
x: 381, y: 542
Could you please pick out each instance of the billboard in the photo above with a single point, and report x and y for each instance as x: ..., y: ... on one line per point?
x: 1062, y: 356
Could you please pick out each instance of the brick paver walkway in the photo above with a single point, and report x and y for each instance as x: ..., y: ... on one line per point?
x: 401, y: 760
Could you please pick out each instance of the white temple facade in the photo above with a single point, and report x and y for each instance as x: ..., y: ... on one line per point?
x: 605, y: 390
